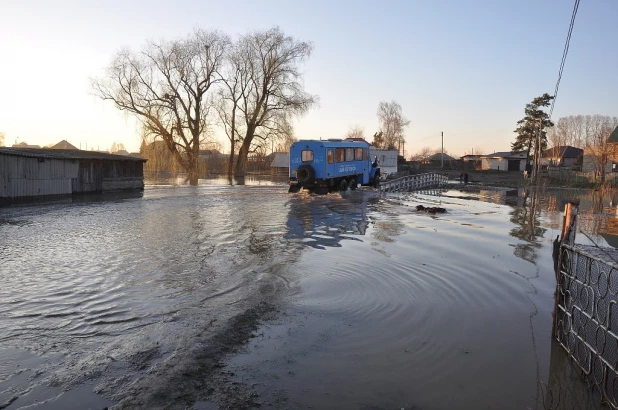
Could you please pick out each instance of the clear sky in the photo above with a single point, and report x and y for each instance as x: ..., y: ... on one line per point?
x: 463, y: 67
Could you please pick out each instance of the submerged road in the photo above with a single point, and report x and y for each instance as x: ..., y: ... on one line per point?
x: 245, y: 296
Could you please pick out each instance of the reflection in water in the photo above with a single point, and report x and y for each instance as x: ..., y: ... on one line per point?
x: 527, y: 227
x: 322, y: 221
x: 566, y: 388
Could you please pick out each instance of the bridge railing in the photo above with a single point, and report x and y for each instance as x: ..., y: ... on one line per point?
x: 414, y: 182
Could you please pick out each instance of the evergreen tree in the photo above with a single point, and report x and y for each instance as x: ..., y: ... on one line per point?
x: 528, y: 127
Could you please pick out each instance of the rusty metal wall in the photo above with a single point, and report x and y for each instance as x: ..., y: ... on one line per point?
x: 27, y: 176
x: 587, y: 314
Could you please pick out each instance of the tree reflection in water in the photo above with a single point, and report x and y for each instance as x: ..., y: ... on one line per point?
x: 527, y: 226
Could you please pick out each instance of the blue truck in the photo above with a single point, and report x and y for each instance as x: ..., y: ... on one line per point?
x: 331, y: 165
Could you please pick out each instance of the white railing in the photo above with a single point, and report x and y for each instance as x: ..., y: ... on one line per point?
x: 413, y: 182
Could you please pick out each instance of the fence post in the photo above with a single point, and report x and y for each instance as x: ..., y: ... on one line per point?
x: 567, y: 237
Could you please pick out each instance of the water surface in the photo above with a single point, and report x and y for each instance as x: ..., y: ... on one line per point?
x: 241, y: 296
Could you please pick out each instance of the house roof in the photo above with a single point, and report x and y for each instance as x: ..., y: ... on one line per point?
x: 563, y: 151
x: 438, y: 157
x: 64, y: 144
x: 25, y: 145
x: 613, y: 136
x: 70, y: 154
x: 282, y: 160
x: 506, y: 154
x: 211, y: 153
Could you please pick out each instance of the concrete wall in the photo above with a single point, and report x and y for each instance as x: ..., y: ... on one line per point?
x: 495, y: 163
x: 501, y: 164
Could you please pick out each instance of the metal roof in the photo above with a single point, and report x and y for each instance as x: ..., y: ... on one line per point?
x: 70, y: 154
x: 563, y: 151
x: 282, y: 160
x: 506, y: 154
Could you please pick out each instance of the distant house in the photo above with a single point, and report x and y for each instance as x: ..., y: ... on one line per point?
x: 504, y: 161
x: 592, y: 160
x: 438, y: 159
x: 213, y: 161
x: 564, y: 156
x: 472, y: 161
x: 64, y: 144
x: 25, y: 145
x: 280, y: 163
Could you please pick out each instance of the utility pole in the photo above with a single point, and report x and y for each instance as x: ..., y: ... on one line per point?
x: 442, y: 156
x: 537, y: 153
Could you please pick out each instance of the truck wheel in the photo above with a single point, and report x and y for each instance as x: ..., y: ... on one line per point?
x: 353, y: 184
x: 322, y: 190
x: 343, y: 185
x: 305, y: 173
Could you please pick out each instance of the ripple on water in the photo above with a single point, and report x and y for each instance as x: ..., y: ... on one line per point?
x: 412, y: 296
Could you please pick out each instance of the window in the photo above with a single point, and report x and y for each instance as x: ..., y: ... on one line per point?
x: 358, y: 154
x: 331, y: 156
x: 349, y: 154
x: 365, y: 154
x: 340, y: 154
x: 306, y: 156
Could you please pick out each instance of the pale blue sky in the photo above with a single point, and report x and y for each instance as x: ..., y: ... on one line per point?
x: 465, y: 67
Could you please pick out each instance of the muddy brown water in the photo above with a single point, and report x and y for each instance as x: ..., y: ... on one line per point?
x: 222, y: 296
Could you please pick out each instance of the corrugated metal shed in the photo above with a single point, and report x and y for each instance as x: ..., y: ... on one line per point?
x: 31, y: 172
x: 65, y: 154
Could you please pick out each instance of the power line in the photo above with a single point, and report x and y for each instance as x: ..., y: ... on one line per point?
x: 564, y: 55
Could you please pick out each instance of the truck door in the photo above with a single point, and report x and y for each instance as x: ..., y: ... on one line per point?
x: 330, y: 163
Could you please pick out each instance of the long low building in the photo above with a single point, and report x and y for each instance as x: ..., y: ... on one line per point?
x: 32, y: 172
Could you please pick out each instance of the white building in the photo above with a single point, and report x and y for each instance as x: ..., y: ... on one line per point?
x: 387, y: 159
x: 504, y: 161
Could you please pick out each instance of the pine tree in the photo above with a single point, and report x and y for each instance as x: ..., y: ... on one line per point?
x: 528, y: 127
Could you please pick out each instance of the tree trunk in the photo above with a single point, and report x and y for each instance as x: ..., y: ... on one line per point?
x: 243, y: 152
x: 230, y: 164
x: 193, y: 167
x: 241, y: 160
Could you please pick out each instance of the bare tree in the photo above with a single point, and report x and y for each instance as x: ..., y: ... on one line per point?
x: 116, y: 146
x: 166, y: 87
x: 423, y: 154
x: 598, y: 129
x: 392, y: 124
x: 285, y: 144
x: 355, y: 132
x: 271, y: 92
x: 568, y: 131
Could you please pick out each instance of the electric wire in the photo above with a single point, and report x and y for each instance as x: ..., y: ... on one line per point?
x: 564, y: 56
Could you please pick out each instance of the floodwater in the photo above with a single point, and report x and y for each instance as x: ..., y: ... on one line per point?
x: 222, y: 296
